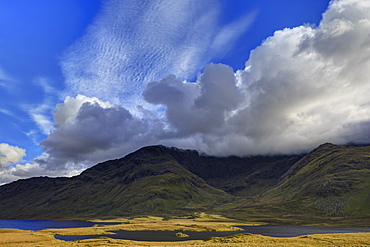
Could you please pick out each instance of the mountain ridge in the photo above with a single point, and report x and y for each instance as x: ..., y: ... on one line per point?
x: 331, y: 180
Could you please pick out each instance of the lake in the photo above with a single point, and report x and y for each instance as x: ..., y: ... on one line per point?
x: 267, y: 230
x: 273, y: 231
x: 36, y: 225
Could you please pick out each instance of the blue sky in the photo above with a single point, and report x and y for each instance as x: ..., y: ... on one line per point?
x: 33, y: 37
x: 82, y: 81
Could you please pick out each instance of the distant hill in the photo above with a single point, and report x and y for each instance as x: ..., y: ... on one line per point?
x: 332, y: 180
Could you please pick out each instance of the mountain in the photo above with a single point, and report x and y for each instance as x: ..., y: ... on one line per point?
x: 332, y: 180
x: 149, y: 180
x: 154, y: 179
x: 238, y: 176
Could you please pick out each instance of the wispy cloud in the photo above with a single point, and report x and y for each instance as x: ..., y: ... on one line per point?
x: 7, y: 112
x: 40, y: 113
x: 227, y: 35
x: 132, y: 43
x: 6, y: 80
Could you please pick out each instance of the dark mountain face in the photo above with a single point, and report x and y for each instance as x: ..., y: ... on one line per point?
x: 238, y: 176
x: 157, y: 180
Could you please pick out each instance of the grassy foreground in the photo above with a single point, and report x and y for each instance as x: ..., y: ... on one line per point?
x: 202, y: 222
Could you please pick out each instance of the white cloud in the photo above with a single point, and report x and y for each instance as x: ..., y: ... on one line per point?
x: 200, y: 107
x: 34, y: 169
x: 89, y: 130
x: 10, y: 154
x: 227, y: 35
x: 10, y: 170
x: 69, y: 109
x: 132, y: 43
x: 40, y: 113
x: 44, y: 83
x: 42, y: 121
x: 302, y: 87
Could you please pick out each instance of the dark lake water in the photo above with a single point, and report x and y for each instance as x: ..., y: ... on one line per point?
x: 273, y: 231
x: 36, y: 225
x: 151, y: 236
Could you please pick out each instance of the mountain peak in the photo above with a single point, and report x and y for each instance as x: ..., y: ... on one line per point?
x: 328, y: 147
x: 323, y: 149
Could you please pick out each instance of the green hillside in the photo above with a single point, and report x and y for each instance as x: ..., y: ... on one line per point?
x: 332, y: 180
x: 143, y: 182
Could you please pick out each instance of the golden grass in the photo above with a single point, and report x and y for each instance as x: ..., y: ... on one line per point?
x: 344, y: 239
x: 9, y: 237
x: 201, y: 223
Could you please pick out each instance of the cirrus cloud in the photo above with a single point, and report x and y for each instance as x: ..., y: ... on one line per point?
x: 121, y: 53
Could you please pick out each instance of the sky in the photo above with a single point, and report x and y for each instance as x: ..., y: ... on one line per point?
x: 84, y: 81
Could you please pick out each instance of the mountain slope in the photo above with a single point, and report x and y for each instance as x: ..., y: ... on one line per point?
x: 238, y: 176
x: 331, y: 180
x: 148, y: 180
x: 154, y: 179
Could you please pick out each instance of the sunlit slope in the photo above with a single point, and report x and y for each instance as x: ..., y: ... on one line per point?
x: 331, y: 180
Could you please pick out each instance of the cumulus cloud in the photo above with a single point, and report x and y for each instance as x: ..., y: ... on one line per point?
x: 134, y: 42
x: 10, y: 154
x: 88, y: 130
x: 19, y: 171
x: 301, y: 87
x: 34, y: 169
x: 9, y: 170
x: 200, y: 107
